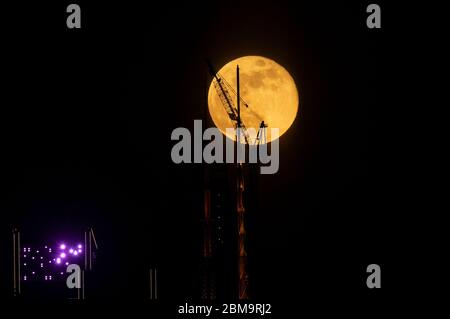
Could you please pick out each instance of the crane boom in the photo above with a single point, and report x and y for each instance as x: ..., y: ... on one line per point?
x: 227, y: 101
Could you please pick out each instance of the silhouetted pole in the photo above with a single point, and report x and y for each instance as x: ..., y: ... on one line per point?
x: 16, y: 262
x: 242, y: 263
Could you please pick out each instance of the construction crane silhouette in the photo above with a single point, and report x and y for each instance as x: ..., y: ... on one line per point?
x: 223, y: 89
x: 261, y: 138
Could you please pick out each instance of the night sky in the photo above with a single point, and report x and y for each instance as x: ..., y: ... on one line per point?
x: 86, y: 119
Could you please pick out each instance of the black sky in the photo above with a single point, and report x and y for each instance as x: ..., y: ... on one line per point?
x: 86, y: 120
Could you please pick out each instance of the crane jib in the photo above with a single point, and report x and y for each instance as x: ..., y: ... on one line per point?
x: 226, y: 100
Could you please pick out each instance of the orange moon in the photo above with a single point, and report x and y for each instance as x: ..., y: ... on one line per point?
x: 267, y: 88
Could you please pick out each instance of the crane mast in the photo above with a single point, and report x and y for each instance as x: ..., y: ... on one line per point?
x: 240, y: 208
x: 234, y: 113
x: 220, y: 85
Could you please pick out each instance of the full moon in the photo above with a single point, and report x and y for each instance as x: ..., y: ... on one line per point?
x: 266, y: 87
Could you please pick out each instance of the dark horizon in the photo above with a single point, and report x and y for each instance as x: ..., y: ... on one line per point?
x: 86, y: 131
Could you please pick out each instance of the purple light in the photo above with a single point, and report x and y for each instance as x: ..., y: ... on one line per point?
x: 67, y: 263
x: 75, y: 253
x: 63, y: 255
x: 62, y: 246
x: 58, y: 260
x: 71, y: 250
x: 79, y: 246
